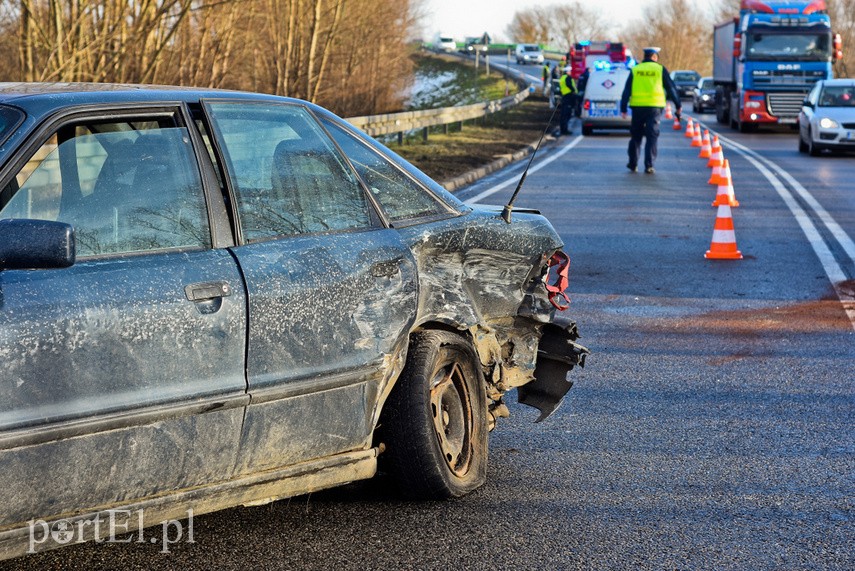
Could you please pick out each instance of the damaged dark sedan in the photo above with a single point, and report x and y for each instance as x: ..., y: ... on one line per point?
x: 213, y: 298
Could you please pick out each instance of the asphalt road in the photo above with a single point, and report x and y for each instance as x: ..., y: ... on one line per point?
x: 713, y: 427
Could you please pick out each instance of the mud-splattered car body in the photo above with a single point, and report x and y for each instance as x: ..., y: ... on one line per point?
x: 187, y: 324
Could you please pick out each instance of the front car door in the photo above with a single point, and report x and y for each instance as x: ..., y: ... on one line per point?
x: 108, y: 365
x: 332, y: 291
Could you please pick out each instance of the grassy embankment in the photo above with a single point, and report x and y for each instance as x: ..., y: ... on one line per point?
x: 481, y: 141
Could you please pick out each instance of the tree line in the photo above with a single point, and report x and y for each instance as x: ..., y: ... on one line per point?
x: 682, y: 28
x: 351, y: 56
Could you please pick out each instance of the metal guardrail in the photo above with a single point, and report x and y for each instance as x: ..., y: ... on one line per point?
x: 389, y: 123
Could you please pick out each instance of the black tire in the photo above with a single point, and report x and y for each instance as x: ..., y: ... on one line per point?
x: 803, y: 147
x: 695, y: 107
x: 813, y: 150
x: 587, y: 131
x: 434, y: 423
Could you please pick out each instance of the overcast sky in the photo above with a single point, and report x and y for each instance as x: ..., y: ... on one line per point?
x: 462, y: 18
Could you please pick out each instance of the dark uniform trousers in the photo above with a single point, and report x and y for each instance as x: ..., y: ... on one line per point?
x: 645, y: 123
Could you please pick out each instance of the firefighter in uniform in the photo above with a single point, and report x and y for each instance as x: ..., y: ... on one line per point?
x: 568, y: 101
x: 646, y: 90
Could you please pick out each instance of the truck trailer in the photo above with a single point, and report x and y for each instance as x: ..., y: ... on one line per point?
x: 767, y: 59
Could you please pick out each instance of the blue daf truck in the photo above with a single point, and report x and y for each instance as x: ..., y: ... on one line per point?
x: 766, y: 60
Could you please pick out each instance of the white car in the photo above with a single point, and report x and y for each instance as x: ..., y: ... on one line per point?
x: 601, y: 100
x: 445, y: 44
x: 827, y: 118
x: 528, y: 53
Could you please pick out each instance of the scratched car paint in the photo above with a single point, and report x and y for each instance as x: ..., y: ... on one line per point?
x: 213, y: 298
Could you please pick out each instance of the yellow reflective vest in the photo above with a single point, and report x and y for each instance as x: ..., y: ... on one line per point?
x: 567, y: 84
x: 647, y: 88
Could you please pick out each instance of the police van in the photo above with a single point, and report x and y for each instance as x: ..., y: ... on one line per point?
x: 601, y: 100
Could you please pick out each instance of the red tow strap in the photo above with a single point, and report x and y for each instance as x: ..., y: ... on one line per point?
x: 557, y: 279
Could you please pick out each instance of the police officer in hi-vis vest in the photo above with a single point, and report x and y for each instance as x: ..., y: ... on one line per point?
x: 646, y: 90
x: 568, y: 101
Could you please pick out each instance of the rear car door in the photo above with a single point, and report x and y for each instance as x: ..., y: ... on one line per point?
x: 332, y: 291
x: 123, y: 375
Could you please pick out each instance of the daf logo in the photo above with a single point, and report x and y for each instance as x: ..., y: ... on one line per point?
x: 789, y: 66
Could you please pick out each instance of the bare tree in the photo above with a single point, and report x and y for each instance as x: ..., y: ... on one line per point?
x: 560, y: 25
x: 681, y: 29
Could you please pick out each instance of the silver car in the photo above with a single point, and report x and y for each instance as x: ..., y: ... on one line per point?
x: 827, y: 118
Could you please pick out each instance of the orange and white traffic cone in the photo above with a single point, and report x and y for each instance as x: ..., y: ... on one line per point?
x: 706, y: 150
x: 677, y: 125
x: 690, y: 129
x: 724, y: 193
x: 717, y: 169
x: 716, y: 157
x: 668, y: 114
x: 723, y: 245
x: 696, y: 136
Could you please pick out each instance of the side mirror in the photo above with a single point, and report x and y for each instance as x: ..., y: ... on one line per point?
x: 807, y: 103
x: 36, y: 245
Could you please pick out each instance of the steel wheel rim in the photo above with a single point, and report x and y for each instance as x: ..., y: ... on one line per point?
x: 452, y: 417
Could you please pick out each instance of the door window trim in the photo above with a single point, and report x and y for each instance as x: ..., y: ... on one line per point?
x: 111, y: 112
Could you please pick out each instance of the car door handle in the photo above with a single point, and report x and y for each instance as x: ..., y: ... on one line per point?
x: 386, y: 269
x: 207, y: 290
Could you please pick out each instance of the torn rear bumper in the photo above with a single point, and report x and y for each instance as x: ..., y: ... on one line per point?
x: 557, y: 354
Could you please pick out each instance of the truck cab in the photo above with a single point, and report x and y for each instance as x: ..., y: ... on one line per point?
x: 769, y: 58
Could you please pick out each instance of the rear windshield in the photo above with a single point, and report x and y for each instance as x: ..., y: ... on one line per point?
x: 9, y: 119
x: 683, y: 76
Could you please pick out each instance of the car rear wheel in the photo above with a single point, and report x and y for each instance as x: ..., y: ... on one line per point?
x: 587, y: 131
x: 434, y: 424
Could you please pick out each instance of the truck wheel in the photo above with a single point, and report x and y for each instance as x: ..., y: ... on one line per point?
x: 434, y: 424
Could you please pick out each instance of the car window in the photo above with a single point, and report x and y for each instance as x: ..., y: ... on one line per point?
x: 124, y: 185
x: 9, y: 119
x: 837, y: 96
x: 707, y: 84
x: 286, y: 173
x: 398, y: 194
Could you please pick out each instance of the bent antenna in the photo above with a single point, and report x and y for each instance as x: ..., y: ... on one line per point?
x: 506, y: 212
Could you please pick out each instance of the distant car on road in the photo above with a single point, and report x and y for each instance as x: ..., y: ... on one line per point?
x: 827, y: 118
x: 601, y: 100
x: 471, y: 44
x: 685, y: 80
x: 528, y: 53
x: 445, y: 44
x: 212, y: 298
x: 703, y: 95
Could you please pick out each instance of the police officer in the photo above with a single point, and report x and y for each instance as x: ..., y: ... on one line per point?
x: 647, y: 88
x: 568, y: 101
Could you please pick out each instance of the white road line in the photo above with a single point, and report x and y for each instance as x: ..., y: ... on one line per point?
x: 829, y: 263
x: 504, y: 184
x: 836, y: 230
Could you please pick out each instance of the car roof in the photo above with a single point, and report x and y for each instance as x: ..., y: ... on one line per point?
x: 840, y: 82
x: 41, y: 99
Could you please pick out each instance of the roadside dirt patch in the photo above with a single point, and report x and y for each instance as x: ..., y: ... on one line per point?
x: 481, y: 141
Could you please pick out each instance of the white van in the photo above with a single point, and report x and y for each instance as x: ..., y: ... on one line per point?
x: 528, y: 53
x: 601, y: 100
x: 445, y: 43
